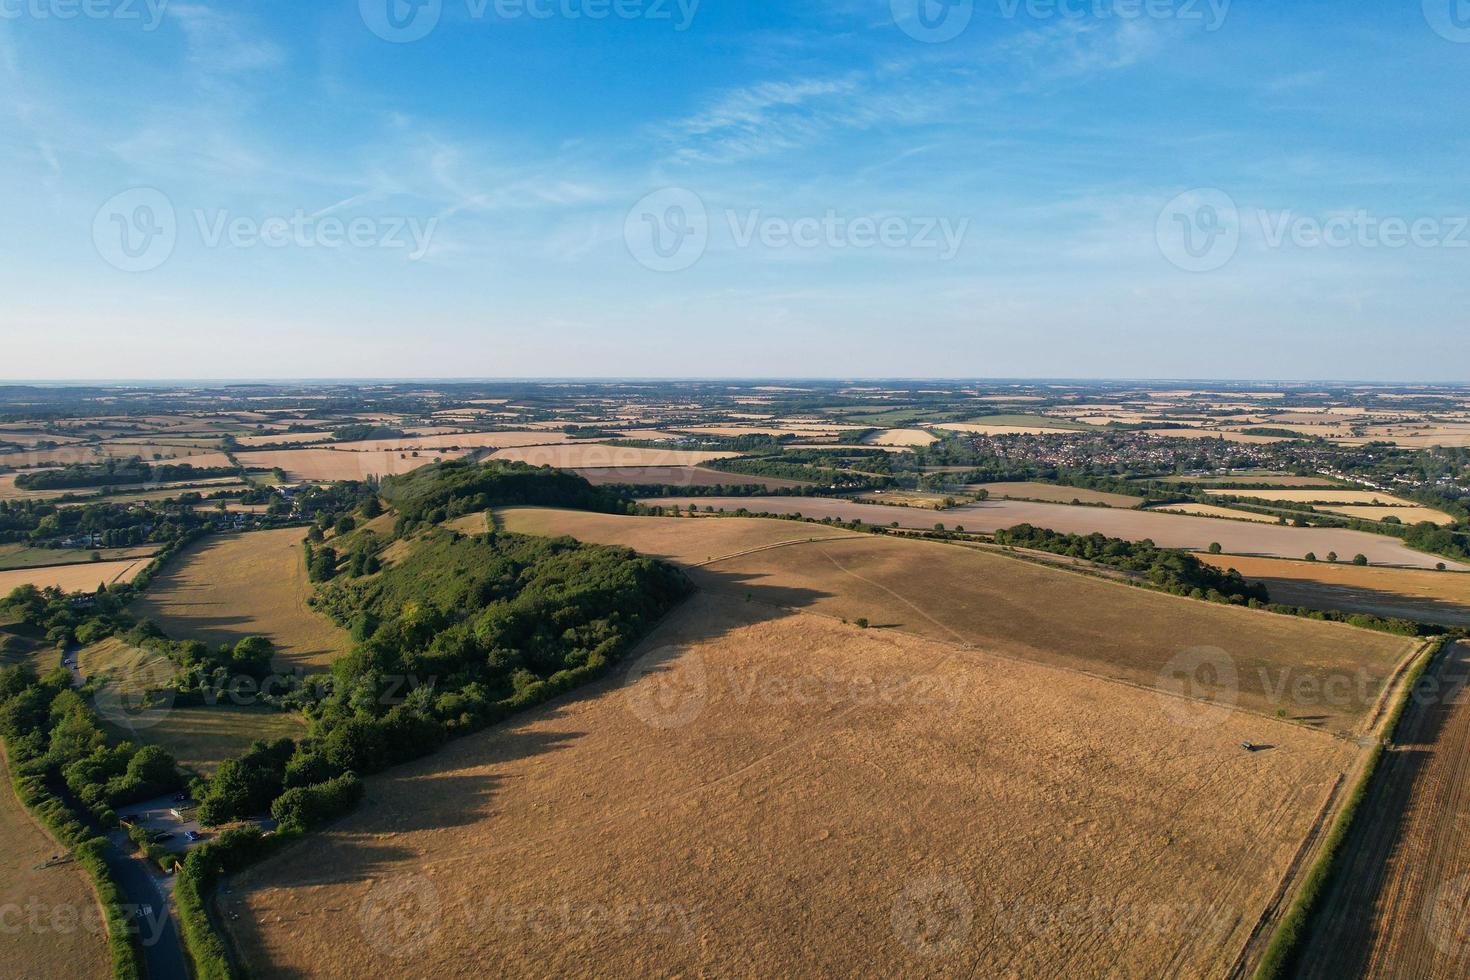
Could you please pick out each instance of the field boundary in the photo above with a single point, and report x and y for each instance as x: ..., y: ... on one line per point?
x: 1286, y: 940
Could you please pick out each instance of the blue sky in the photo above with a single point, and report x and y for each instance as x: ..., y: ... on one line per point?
x: 1086, y: 188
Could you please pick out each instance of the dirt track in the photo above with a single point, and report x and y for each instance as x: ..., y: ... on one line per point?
x: 1400, y: 905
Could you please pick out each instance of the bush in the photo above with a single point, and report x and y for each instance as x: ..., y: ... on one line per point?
x: 308, y: 807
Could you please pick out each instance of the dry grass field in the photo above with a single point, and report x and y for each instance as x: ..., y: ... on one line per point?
x: 1400, y: 904
x: 681, y: 476
x: 228, y: 587
x: 768, y: 793
x: 1411, y: 593
x: 597, y: 456
x: 62, y: 936
x: 72, y: 578
x: 1058, y: 494
x: 1003, y: 605
x: 1166, y: 530
x: 337, y: 464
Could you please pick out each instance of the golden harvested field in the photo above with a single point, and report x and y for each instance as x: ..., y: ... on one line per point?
x: 1410, y: 593
x: 681, y: 476
x: 228, y: 587
x: 1406, y: 515
x: 1308, y: 496
x: 902, y: 437
x: 62, y: 936
x: 336, y: 464
x: 767, y: 793
x: 596, y: 456
x: 1058, y: 494
x: 1003, y: 605
x: 1398, y: 905
x: 72, y: 578
x: 1165, y: 530
x: 1210, y: 510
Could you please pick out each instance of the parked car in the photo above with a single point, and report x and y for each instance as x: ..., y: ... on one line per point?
x: 193, y: 835
x: 161, y: 837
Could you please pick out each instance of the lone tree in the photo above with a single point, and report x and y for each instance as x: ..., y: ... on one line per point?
x: 1332, y: 556
x: 1215, y: 548
x: 1360, y: 559
x: 1311, y: 556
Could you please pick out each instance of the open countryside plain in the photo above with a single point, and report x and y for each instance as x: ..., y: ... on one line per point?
x: 1165, y: 530
x: 230, y: 587
x: 1009, y: 607
x: 749, y: 804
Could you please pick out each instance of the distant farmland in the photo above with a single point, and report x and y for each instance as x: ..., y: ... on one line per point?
x: 680, y: 476
x: 83, y: 577
x: 1166, y: 530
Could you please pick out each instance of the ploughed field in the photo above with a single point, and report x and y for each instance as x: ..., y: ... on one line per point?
x: 1165, y: 530
x: 227, y: 587
x: 1400, y: 905
x: 765, y: 791
x: 1322, y: 674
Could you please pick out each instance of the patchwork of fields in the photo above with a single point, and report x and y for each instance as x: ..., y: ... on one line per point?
x: 1166, y: 530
